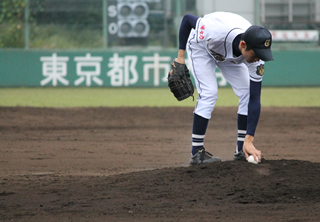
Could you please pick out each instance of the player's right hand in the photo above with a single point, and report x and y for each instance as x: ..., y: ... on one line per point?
x: 249, y: 149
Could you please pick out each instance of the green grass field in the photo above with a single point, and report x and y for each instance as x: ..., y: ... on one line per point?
x: 141, y: 97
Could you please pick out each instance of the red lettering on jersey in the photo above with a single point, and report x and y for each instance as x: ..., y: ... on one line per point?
x: 202, y: 32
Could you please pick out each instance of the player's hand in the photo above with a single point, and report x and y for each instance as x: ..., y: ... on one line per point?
x: 249, y: 149
x: 180, y: 59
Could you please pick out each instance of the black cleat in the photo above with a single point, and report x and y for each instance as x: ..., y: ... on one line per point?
x: 239, y: 156
x: 202, y: 157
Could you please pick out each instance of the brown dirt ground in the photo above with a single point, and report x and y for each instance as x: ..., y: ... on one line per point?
x: 131, y: 164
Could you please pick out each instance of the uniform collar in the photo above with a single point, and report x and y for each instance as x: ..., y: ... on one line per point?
x: 233, y: 33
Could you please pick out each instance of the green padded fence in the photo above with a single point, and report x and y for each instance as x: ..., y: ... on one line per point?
x: 32, y: 68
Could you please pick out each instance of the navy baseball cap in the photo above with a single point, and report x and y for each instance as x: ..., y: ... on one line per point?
x: 259, y: 40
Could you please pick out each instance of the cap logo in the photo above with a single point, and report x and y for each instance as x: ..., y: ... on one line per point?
x: 267, y: 43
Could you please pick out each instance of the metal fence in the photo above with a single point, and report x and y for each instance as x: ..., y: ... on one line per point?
x: 102, y: 24
x: 290, y: 14
x: 98, y: 24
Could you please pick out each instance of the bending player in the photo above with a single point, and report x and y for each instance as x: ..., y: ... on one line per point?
x: 239, y: 49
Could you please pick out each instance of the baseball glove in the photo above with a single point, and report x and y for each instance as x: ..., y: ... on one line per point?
x: 179, y: 81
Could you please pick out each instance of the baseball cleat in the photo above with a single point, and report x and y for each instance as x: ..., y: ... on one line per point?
x: 239, y: 156
x: 202, y: 157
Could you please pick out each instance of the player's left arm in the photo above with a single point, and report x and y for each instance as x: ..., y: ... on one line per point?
x: 256, y: 73
x: 187, y: 24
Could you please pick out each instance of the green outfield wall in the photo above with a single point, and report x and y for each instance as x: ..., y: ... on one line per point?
x: 33, y: 68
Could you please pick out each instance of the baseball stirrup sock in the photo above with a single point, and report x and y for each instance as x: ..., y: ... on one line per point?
x: 199, y: 128
x: 197, y: 142
x: 242, y: 131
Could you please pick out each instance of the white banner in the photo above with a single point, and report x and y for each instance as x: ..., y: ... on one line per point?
x: 295, y: 35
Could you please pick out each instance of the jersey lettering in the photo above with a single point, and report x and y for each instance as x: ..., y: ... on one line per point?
x: 202, y: 32
x: 217, y: 56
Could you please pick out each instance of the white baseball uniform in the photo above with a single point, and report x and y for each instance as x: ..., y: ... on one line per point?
x: 210, y: 45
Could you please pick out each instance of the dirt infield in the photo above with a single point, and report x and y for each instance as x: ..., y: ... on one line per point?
x: 131, y: 164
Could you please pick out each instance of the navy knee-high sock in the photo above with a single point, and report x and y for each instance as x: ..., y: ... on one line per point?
x: 242, y: 130
x: 199, y: 128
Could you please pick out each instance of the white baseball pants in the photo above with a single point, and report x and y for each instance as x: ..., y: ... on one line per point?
x: 203, y: 68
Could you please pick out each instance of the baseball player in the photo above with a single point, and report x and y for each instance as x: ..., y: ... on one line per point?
x: 239, y: 49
